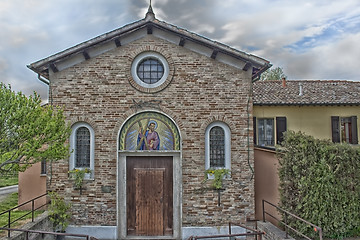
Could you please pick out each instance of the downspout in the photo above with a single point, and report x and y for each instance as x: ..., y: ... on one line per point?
x: 43, y: 80
x: 47, y: 82
x: 248, y: 131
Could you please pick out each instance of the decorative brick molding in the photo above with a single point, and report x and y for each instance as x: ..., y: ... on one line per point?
x: 84, y: 119
x: 156, y: 49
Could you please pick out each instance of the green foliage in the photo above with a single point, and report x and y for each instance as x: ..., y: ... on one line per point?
x: 29, y: 132
x: 218, y: 174
x: 78, y: 176
x: 273, y: 74
x: 320, y: 182
x: 59, y: 212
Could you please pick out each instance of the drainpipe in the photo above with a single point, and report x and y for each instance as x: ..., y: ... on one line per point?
x: 43, y: 80
x: 248, y: 130
x: 47, y: 82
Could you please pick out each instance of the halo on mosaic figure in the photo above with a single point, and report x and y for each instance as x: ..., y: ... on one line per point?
x: 154, y: 122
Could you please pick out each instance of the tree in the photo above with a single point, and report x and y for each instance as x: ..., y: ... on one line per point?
x: 29, y: 132
x: 273, y: 74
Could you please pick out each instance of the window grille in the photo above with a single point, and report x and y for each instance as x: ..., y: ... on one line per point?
x: 217, y: 147
x: 150, y: 70
x: 82, y: 150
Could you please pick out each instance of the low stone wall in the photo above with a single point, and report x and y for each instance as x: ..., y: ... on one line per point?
x: 41, y: 223
x: 272, y: 232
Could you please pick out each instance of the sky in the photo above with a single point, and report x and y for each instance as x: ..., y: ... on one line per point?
x: 309, y: 39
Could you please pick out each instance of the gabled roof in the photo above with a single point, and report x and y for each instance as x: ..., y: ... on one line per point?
x: 306, y: 92
x: 149, y: 23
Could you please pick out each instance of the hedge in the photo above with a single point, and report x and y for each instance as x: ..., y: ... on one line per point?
x: 320, y: 182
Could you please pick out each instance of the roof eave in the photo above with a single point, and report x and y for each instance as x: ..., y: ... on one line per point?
x: 259, y: 65
x: 42, y: 66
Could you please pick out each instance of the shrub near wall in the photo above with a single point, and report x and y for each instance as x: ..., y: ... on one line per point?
x: 320, y: 182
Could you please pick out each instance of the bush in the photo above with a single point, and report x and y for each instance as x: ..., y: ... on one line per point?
x: 320, y: 182
x: 59, y: 212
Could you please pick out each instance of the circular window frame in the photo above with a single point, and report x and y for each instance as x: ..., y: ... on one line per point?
x: 139, y: 59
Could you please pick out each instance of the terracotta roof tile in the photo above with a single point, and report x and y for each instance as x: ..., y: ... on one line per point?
x: 306, y: 92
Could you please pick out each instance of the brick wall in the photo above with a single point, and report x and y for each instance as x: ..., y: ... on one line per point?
x: 202, y: 90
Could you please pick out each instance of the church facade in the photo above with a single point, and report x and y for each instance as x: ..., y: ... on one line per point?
x: 154, y: 110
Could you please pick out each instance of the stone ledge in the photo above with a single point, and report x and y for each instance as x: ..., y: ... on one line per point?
x: 41, y: 223
x: 272, y: 232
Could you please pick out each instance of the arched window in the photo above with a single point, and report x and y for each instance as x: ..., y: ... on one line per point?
x: 218, y: 146
x: 82, y: 149
x: 82, y: 141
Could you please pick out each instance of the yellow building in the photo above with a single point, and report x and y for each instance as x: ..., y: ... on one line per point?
x: 323, y: 109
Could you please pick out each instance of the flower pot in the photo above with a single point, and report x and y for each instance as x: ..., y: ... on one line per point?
x: 60, y: 237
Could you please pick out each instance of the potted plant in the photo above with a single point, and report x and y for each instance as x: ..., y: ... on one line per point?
x: 59, y: 212
x: 78, y: 176
x: 217, y: 176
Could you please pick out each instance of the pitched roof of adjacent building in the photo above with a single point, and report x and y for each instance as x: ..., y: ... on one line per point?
x: 306, y: 92
x: 149, y: 25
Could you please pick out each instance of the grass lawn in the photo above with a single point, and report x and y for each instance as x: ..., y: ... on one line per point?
x: 8, y: 203
x: 8, y: 181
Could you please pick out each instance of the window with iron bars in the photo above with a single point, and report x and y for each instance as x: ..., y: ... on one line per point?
x: 150, y: 70
x: 217, y: 147
x: 82, y: 150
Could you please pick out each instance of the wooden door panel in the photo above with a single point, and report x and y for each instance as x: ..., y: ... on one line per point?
x: 149, y: 189
x: 149, y: 201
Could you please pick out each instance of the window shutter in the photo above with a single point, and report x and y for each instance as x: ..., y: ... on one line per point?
x: 280, y: 129
x: 254, y: 124
x: 335, y: 131
x: 354, y: 130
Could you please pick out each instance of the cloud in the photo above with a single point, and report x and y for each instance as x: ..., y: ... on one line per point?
x: 338, y: 59
x: 3, y: 66
x: 309, y: 39
x: 300, y: 38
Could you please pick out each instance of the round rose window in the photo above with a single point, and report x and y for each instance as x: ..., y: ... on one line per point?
x: 149, y: 69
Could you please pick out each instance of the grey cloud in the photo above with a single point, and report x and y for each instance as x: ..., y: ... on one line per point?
x: 36, y: 29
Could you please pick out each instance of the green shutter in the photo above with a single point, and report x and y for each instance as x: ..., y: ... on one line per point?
x: 354, y: 131
x: 280, y: 129
x: 335, y: 129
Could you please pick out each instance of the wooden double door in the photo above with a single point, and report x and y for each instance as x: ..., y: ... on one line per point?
x: 149, y: 196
